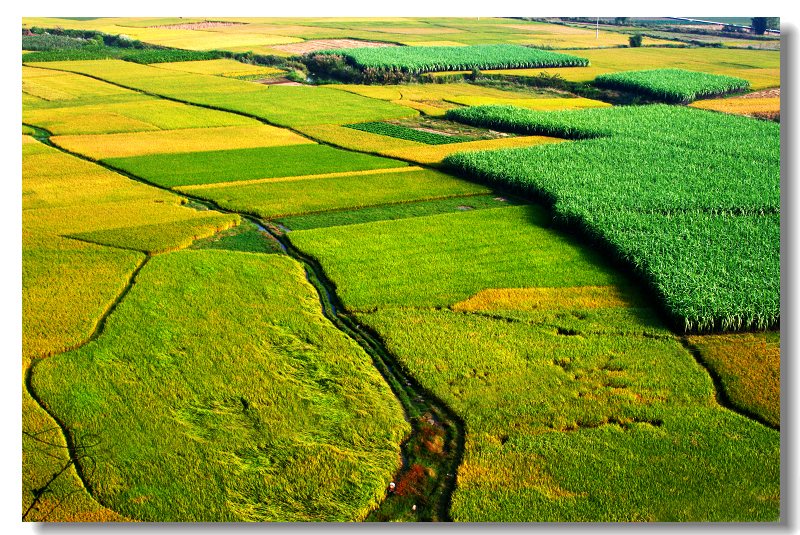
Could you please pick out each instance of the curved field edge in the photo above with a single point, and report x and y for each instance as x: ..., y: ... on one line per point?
x: 579, y: 405
x: 200, y: 431
x: 683, y: 237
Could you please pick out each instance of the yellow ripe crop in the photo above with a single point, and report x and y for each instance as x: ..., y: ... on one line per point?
x: 761, y: 68
x: 431, y: 154
x: 173, y: 141
x: 533, y: 103
x: 56, y: 85
x: 529, y: 299
x: 219, y: 67
x: 146, y: 113
x: 756, y: 107
x: 350, y: 138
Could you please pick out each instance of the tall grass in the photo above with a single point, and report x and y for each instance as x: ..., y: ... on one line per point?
x: 419, y: 59
x: 673, y: 85
x: 690, y: 199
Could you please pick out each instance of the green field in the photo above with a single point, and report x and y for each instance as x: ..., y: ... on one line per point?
x: 673, y: 85
x: 610, y: 378
x: 487, y: 283
x: 211, y: 167
x: 221, y: 408
x: 420, y: 59
x: 660, y: 226
x: 292, y: 197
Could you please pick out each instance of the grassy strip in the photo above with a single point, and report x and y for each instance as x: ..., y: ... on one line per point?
x: 749, y: 367
x: 222, y: 408
x: 280, y: 198
x: 245, y: 237
x: 419, y: 59
x: 672, y: 85
x: 170, y: 170
x: 404, y: 132
x: 687, y: 237
x: 393, y: 211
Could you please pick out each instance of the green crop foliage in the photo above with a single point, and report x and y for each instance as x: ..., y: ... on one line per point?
x: 579, y: 405
x: 280, y: 198
x: 135, y: 55
x: 673, y: 85
x: 281, y: 418
x: 418, y: 59
x: 245, y: 237
x: 209, y: 167
x: 423, y: 261
x: 393, y: 211
x: 699, y: 222
x: 584, y: 426
x: 404, y: 132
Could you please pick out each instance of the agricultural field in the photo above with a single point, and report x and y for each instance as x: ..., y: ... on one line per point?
x: 398, y: 269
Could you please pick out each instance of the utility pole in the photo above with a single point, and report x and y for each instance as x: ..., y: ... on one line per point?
x: 597, y: 29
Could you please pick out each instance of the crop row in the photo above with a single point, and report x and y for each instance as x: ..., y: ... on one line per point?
x: 672, y: 85
x: 404, y: 132
x: 135, y: 55
x: 699, y: 222
x: 419, y: 59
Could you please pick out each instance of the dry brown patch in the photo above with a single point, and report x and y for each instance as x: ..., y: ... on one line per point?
x: 765, y: 93
x: 749, y: 365
x: 328, y: 44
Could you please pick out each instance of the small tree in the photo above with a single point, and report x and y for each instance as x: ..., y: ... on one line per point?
x: 759, y: 25
x: 635, y: 40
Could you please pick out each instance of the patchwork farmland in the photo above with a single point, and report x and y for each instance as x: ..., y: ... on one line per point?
x: 399, y: 269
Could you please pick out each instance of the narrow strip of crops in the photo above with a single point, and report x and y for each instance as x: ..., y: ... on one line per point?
x: 700, y: 222
x: 404, y: 132
x: 673, y: 85
x: 419, y: 59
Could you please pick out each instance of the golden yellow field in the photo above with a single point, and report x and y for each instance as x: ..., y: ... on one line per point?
x: 172, y: 141
x: 529, y: 299
x: 760, y: 68
x: 767, y: 107
x: 220, y: 67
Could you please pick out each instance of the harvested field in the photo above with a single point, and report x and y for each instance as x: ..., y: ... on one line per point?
x: 197, y: 25
x: 314, y: 45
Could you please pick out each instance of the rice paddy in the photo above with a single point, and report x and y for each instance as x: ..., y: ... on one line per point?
x: 491, y: 300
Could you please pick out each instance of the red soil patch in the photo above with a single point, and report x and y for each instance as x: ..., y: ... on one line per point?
x: 328, y: 44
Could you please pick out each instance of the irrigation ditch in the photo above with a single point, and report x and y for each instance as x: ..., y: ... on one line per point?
x: 433, y: 451
x: 423, y: 486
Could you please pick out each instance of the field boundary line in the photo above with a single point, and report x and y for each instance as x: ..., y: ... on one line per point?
x: 195, y: 187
